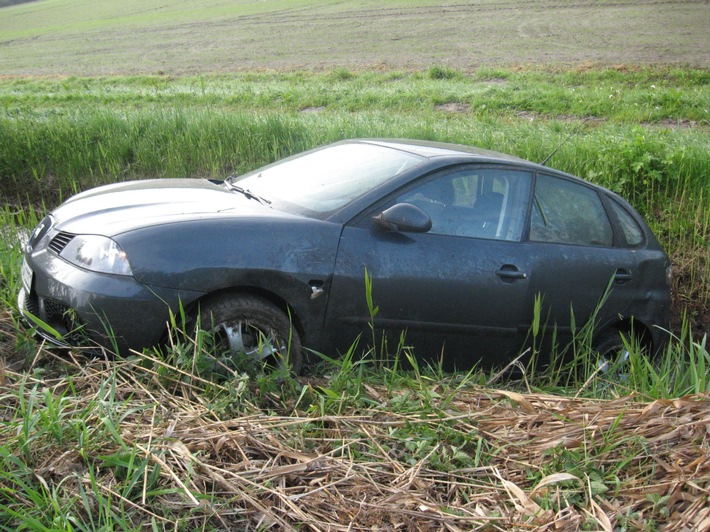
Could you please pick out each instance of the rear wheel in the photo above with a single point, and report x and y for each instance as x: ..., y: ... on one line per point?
x: 613, y: 351
x: 249, y: 329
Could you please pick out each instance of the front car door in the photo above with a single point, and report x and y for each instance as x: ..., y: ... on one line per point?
x: 460, y: 290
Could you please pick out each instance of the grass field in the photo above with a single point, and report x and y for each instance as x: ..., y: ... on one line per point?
x: 92, y: 93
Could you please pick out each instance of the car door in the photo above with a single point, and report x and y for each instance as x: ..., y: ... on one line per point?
x: 575, y: 261
x: 459, y: 290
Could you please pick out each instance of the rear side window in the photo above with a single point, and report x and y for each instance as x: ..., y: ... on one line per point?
x: 631, y: 229
x: 566, y: 212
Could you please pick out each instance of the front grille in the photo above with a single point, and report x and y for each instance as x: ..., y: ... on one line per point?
x: 55, y: 310
x: 31, y: 304
x: 58, y: 317
x: 63, y: 319
x: 60, y: 241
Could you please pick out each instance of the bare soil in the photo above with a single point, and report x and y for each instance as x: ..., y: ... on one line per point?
x: 416, y: 35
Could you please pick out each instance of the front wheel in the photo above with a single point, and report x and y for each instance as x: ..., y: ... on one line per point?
x: 251, y: 329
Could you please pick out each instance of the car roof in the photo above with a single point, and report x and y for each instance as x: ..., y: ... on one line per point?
x: 445, y: 153
x: 430, y: 150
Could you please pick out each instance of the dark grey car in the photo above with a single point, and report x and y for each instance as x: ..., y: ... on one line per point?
x: 458, y: 243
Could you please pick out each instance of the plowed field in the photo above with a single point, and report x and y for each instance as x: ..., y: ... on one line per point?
x: 192, y: 37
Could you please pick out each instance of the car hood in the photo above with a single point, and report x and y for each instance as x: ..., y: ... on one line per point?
x: 113, y: 209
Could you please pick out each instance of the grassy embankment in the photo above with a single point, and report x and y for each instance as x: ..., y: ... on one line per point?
x: 147, y: 441
x: 646, y: 134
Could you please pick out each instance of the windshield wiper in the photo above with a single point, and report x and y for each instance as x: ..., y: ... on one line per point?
x: 247, y: 194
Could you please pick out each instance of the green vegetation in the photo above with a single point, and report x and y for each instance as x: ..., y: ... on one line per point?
x: 161, y: 440
x: 643, y: 134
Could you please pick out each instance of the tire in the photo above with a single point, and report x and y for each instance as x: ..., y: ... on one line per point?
x: 612, y: 350
x: 249, y: 328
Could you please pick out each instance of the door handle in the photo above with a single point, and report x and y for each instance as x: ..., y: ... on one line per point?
x: 508, y: 272
x: 622, y: 276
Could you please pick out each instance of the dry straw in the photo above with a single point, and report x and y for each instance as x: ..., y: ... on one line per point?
x: 298, y: 470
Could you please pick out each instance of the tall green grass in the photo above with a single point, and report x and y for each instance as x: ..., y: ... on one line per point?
x: 81, y: 149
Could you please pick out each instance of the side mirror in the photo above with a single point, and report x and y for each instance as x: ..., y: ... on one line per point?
x: 403, y: 217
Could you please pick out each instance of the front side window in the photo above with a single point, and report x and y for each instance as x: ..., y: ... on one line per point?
x: 475, y: 202
x: 566, y: 212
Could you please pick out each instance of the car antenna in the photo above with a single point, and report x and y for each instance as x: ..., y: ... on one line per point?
x: 576, y: 130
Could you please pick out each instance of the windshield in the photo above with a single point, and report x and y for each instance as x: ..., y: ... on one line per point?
x: 325, y: 180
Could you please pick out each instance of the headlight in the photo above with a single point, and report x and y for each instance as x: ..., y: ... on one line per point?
x: 98, y: 254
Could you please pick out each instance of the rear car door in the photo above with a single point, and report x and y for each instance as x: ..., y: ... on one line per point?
x: 575, y: 257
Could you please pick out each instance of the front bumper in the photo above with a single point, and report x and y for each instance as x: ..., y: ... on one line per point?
x: 71, y: 306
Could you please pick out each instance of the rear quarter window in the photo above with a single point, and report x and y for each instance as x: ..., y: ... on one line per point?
x: 629, y: 227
